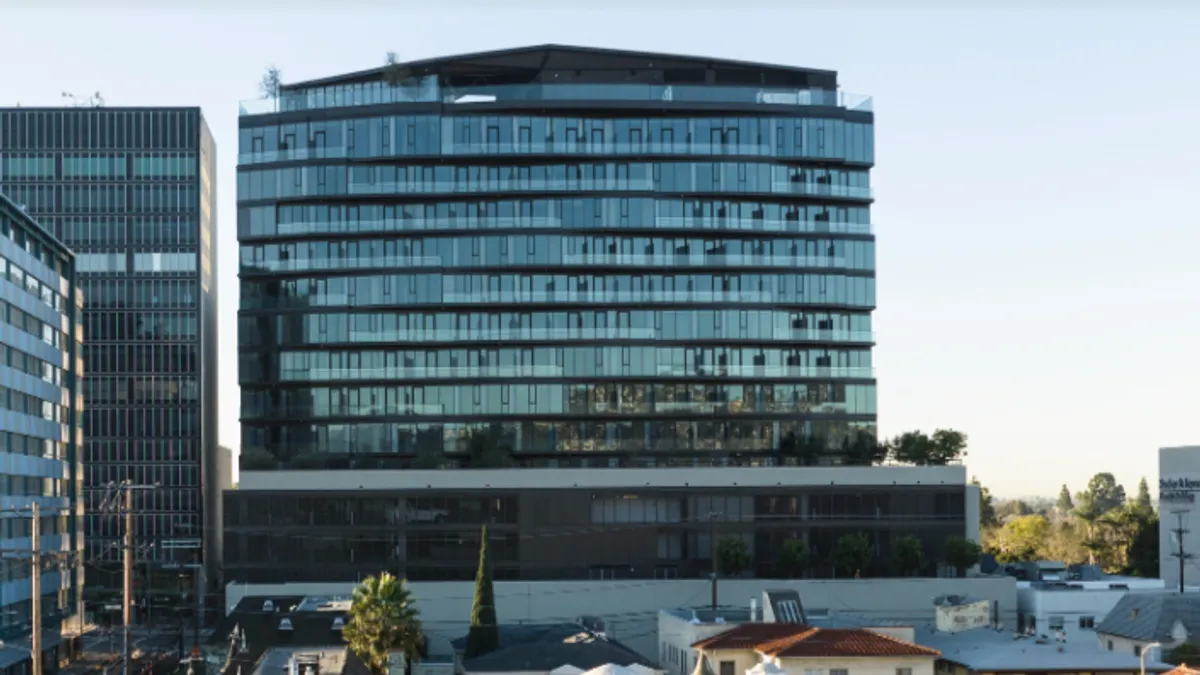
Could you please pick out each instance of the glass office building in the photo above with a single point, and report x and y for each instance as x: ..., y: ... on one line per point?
x: 133, y: 192
x: 584, y: 257
x: 41, y: 311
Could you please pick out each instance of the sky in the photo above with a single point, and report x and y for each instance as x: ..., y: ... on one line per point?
x: 1036, y: 251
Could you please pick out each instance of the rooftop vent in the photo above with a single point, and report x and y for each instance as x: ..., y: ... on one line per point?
x: 268, y: 606
x: 339, y: 623
x: 285, y: 624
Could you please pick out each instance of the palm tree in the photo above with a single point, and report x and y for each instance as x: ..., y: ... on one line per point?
x: 382, y: 619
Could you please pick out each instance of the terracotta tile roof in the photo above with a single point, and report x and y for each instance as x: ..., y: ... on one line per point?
x: 1183, y: 669
x: 749, y: 636
x: 791, y: 640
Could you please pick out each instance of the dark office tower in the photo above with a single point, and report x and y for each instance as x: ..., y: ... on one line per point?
x: 40, y: 364
x: 133, y: 192
x: 551, y: 258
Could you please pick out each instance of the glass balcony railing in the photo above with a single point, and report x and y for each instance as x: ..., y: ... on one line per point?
x: 418, y: 372
x: 421, y: 187
x: 321, y: 98
x: 768, y: 371
x: 590, y: 297
x: 533, y: 223
x: 702, y: 260
x: 361, y: 262
x: 595, y: 334
x: 631, y: 260
x: 580, y: 147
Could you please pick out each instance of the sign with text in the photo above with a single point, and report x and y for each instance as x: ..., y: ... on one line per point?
x: 1178, y: 490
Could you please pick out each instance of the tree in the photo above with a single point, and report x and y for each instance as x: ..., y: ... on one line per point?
x: 1021, y: 538
x: 1143, y: 557
x: 429, y: 459
x: 394, y: 72
x: 863, y: 450
x: 484, y: 453
x: 852, y: 553
x: 484, y: 635
x: 948, y: 446
x: 908, y: 554
x: 1065, y: 503
x: 1181, y: 654
x: 256, y: 459
x: 941, y: 448
x: 987, y: 505
x: 806, y: 450
x: 383, y: 618
x: 271, y: 82
x: 962, y: 554
x: 733, y: 556
x: 793, y: 558
x: 1142, y: 503
x: 912, y: 447
x: 1105, y: 493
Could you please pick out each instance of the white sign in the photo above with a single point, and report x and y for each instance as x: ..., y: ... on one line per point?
x: 958, y: 618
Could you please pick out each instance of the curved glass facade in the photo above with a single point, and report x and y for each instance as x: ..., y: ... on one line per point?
x: 600, y: 282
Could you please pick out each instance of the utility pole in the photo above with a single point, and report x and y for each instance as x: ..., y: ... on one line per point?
x: 1182, y: 555
x: 712, y: 535
x: 35, y: 579
x: 122, y: 501
x: 127, y: 593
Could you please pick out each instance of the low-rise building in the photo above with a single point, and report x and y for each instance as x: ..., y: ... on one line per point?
x: 1139, y: 620
x: 794, y: 648
x: 1074, y: 607
x: 1001, y: 652
x: 554, y: 649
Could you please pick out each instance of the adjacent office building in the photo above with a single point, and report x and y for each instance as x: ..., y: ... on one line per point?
x: 566, y: 259
x: 133, y: 192
x: 41, y: 310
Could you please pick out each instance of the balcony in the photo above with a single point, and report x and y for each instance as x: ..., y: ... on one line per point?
x: 324, y: 98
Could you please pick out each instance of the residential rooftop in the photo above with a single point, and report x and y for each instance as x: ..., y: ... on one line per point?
x: 793, y: 640
x: 1000, y: 651
x: 1149, y: 617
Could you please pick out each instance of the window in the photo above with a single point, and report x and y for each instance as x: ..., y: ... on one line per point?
x: 727, y: 668
x: 838, y: 671
x: 1055, y: 623
x: 904, y: 671
x: 1137, y: 651
x: 1087, y: 622
x: 1109, y: 645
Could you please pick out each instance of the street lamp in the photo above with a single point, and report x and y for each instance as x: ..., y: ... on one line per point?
x: 1147, y: 648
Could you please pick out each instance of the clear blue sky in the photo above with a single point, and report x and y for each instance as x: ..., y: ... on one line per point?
x: 1037, y: 271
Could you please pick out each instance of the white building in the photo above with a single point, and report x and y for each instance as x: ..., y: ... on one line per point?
x: 1178, y: 485
x: 1074, y: 607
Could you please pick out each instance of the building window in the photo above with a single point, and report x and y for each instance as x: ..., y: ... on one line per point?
x: 1110, y: 645
x: 838, y: 671
x: 1087, y: 622
x: 904, y: 671
x: 727, y: 668
x: 1137, y: 651
x: 1055, y: 623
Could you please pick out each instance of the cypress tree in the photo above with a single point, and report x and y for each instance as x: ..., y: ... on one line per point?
x: 484, y: 635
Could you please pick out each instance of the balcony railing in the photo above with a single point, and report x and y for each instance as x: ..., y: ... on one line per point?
x: 321, y: 98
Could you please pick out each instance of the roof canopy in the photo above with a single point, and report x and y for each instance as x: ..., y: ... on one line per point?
x: 562, y: 63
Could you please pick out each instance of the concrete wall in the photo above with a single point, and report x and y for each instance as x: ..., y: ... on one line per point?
x: 1179, y: 484
x: 630, y: 609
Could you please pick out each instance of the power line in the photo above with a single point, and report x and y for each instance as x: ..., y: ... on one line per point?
x: 118, y: 500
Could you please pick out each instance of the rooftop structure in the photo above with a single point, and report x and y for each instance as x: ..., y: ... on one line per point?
x: 1139, y: 619
x: 986, y: 650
